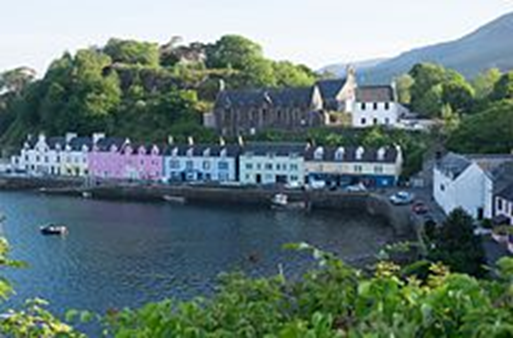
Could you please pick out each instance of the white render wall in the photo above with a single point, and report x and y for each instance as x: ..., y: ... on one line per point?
x: 269, y: 168
x: 368, y: 117
x: 471, y: 190
x: 505, y: 208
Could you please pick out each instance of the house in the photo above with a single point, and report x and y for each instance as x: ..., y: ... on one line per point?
x: 201, y: 163
x: 342, y: 166
x: 504, y: 205
x: 56, y: 156
x: 239, y: 112
x: 376, y: 106
x: 116, y: 158
x: 469, y: 182
x: 272, y: 163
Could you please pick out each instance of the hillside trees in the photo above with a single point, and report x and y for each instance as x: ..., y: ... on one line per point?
x: 503, y: 88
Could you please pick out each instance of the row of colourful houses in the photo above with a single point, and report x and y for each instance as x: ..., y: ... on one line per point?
x: 104, y: 157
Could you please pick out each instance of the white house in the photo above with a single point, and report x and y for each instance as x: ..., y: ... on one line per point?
x: 376, y: 106
x: 468, y: 182
x: 272, y: 163
x: 55, y: 156
x: 504, y: 205
x: 203, y: 163
x: 340, y: 166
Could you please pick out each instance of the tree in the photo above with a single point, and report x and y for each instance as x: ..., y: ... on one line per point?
x: 425, y: 77
x: 430, y: 104
x: 450, y: 119
x: 485, y: 82
x: 403, y: 85
x: 133, y: 52
x: 289, y: 75
x: 458, y: 94
x: 15, y: 80
x: 233, y: 51
x: 503, y: 89
x: 455, y: 245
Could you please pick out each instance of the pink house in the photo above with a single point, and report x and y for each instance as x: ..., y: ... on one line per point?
x: 115, y: 158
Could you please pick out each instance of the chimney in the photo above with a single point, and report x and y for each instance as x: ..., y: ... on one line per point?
x: 222, y: 85
x: 170, y: 140
x: 190, y: 140
x: 97, y: 137
x: 70, y: 136
x: 240, y: 140
x: 222, y: 143
x: 308, y: 145
x: 41, y: 137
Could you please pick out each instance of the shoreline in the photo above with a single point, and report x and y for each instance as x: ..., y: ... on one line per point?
x: 371, y: 203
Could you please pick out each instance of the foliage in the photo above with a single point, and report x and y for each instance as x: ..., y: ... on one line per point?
x: 455, y: 245
x: 133, y: 52
x: 503, y: 89
x: 488, y: 132
x: 485, y: 82
x: 403, y: 85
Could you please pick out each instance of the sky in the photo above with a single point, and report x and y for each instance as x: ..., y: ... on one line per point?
x: 312, y: 32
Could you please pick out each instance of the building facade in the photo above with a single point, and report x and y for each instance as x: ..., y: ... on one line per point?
x: 339, y: 166
x: 201, y: 163
x: 55, y: 156
x: 250, y: 111
x: 468, y: 182
x: 504, y: 205
x: 376, y: 106
x: 115, y: 158
x: 272, y: 163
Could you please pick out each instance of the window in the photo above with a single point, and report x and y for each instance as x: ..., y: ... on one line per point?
x: 268, y: 166
x: 442, y: 187
x: 46, y: 159
x: 142, y: 162
x: 189, y: 165
x: 358, y: 168
x: 248, y: 177
x: 206, y: 165
x: 375, y: 106
x: 499, y: 204
x: 249, y: 166
x: 278, y: 166
x: 378, y: 169
x: 293, y: 167
x: 294, y: 178
x: 387, y: 105
x: 259, y: 166
x: 375, y: 121
x: 364, y: 106
x: 284, y: 166
x: 363, y: 121
x: 37, y: 158
x: 26, y: 158
x: 174, y: 164
x: 58, y: 159
x: 387, y: 120
x: 222, y: 165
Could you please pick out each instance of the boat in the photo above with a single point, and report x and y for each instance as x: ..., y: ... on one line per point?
x: 87, y: 194
x: 53, y: 229
x: 281, y: 202
x: 174, y: 199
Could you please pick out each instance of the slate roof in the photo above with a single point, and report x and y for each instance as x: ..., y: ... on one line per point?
x: 507, y: 193
x: 370, y: 155
x: 454, y: 164
x: 198, y: 150
x: 375, y: 94
x: 77, y: 143
x: 277, y: 149
x: 106, y: 143
x: 286, y: 97
x: 53, y: 141
x: 331, y: 88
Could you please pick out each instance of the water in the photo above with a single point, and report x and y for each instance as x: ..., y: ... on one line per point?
x: 126, y: 254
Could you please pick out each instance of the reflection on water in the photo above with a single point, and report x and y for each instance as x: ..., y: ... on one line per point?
x: 126, y: 254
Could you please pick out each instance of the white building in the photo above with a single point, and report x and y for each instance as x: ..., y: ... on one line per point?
x: 55, y: 156
x: 468, y: 182
x: 200, y: 163
x: 376, y: 106
x: 504, y: 205
x: 342, y: 166
x: 272, y: 163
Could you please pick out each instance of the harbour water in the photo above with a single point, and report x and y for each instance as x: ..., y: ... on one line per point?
x: 120, y: 254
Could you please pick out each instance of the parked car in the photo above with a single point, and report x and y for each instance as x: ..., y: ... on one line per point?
x: 356, y: 188
x: 317, y: 185
x: 420, y: 208
x: 293, y: 185
x: 401, y: 198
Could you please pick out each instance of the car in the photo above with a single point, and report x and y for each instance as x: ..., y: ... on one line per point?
x: 401, y: 198
x: 293, y: 185
x: 419, y: 208
x: 356, y: 188
x: 316, y: 185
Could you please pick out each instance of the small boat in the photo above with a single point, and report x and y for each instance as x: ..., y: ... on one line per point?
x: 174, y: 199
x: 53, y: 229
x: 281, y: 202
x: 87, y: 194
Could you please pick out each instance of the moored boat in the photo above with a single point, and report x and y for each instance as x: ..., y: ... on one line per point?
x: 53, y: 229
x: 174, y: 199
x: 281, y: 202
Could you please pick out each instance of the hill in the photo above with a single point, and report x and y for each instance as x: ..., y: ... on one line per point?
x: 488, y: 47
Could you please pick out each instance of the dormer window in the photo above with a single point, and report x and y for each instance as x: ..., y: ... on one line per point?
x: 319, y: 154
x: 155, y: 150
x: 224, y: 153
x: 206, y: 152
x: 141, y: 151
x: 190, y: 152
x: 174, y: 153
x: 128, y: 150
x: 339, y: 154
x: 113, y: 148
x: 85, y: 148
x: 359, y: 153
x: 381, y: 154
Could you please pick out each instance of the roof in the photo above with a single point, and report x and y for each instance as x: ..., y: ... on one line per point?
x: 52, y: 142
x: 77, y: 143
x: 369, y: 155
x: 199, y: 149
x: 375, y: 94
x: 277, y: 149
x: 507, y: 193
x: 106, y: 143
x: 331, y: 88
x: 454, y: 164
x: 286, y: 97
